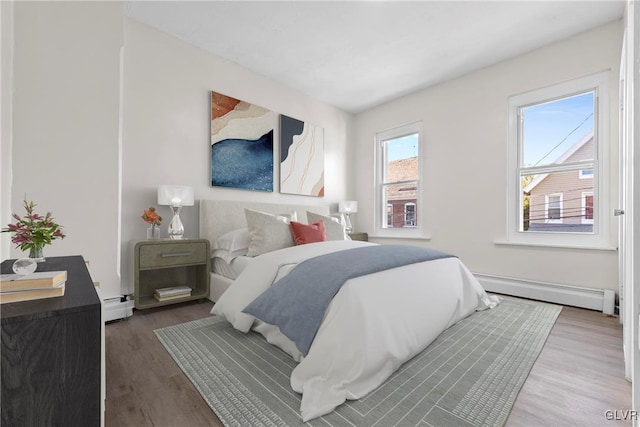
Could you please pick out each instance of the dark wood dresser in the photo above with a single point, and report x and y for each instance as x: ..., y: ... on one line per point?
x: 51, y: 353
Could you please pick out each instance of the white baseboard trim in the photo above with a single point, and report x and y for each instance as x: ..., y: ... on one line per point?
x: 114, y: 309
x: 593, y: 299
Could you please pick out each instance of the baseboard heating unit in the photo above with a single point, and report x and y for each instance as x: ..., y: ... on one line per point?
x: 116, y: 308
x: 593, y: 299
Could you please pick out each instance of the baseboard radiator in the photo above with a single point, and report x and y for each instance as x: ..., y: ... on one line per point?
x: 116, y: 308
x: 593, y: 299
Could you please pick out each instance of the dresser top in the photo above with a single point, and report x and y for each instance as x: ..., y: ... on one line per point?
x: 79, y: 294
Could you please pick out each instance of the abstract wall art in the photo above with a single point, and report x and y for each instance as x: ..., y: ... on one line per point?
x: 301, y: 157
x: 241, y: 144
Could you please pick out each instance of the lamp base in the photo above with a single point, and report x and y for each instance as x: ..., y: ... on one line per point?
x: 348, y: 226
x: 176, y: 229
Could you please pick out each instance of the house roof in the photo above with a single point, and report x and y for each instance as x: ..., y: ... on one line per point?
x: 402, y: 170
x: 563, y: 158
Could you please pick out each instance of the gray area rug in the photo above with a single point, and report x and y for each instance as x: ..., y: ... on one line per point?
x: 469, y: 376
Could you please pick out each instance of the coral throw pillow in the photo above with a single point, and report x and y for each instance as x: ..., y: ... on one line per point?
x: 308, y: 233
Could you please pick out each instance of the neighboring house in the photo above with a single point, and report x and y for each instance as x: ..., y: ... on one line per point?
x: 563, y: 201
x: 402, y: 208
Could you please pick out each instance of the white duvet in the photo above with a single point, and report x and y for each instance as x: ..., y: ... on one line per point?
x: 374, y: 324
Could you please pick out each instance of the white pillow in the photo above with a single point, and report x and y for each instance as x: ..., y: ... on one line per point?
x: 334, y: 229
x: 228, y: 256
x: 293, y: 216
x: 236, y: 240
x: 268, y: 232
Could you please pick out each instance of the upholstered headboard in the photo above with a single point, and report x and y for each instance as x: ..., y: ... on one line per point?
x: 221, y: 216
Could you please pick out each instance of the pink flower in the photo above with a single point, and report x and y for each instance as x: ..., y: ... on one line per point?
x: 33, y: 230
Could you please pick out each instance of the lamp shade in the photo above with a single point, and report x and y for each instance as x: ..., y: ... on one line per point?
x: 175, y: 195
x: 348, y: 206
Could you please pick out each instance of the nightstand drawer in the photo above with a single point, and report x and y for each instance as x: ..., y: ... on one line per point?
x: 169, y: 255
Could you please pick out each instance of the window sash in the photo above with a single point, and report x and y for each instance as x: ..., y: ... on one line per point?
x: 542, y: 101
x: 384, y: 213
x: 554, y: 215
x: 553, y: 206
x: 389, y: 213
x: 600, y: 236
x: 385, y: 165
x: 561, y: 167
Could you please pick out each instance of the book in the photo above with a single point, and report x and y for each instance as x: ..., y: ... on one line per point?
x: 32, y: 294
x: 172, y: 297
x: 173, y: 290
x: 37, y: 280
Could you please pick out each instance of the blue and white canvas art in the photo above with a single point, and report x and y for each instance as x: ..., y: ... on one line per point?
x: 301, y: 157
x: 241, y: 144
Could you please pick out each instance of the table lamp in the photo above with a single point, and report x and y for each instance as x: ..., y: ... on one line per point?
x: 176, y: 197
x: 347, y: 208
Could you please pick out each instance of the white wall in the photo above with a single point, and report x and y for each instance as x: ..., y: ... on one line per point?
x: 167, y: 129
x: 72, y: 153
x: 6, y: 108
x: 65, y: 125
x: 465, y: 179
x: 64, y: 150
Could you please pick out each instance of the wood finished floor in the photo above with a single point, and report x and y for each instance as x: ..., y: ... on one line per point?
x: 578, y: 376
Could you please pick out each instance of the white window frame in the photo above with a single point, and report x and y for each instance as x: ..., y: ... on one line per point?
x: 546, y: 208
x: 583, y: 175
x: 381, y: 205
x: 600, y: 238
x: 584, y: 219
x: 389, y: 224
x: 406, y: 224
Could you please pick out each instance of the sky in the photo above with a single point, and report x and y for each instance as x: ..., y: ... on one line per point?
x: 548, y: 127
x: 403, y: 148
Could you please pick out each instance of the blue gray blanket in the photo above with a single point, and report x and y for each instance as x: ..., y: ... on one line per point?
x: 297, y: 302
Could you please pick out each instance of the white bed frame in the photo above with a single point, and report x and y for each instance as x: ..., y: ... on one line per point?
x: 218, y: 217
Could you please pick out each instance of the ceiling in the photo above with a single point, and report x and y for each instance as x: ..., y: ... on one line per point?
x: 359, y: 54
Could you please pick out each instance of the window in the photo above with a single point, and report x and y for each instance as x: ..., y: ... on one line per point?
x: 585, y: 173
x: 553, y: 208
x: 398, y: 180
x: 587, y: 208
x: 409, y: 214
x: 558, y: 145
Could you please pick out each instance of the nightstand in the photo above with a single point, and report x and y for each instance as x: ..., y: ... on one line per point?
x: 51, y: 351
x: 166, y: 263
x: 359, y: 236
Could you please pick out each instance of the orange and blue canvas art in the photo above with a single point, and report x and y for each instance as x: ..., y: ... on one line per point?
x: 241, y: 144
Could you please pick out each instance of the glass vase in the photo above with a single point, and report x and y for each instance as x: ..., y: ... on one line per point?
x: 24, y: 266
x: 153, y: 232
x: 35, y: 252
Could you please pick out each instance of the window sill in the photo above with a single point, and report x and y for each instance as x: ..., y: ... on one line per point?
x: 555, y: 245
x: 400, y: 237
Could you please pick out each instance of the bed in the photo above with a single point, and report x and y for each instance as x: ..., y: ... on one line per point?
x: 374, y: 320
x: 219, y: 217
